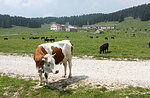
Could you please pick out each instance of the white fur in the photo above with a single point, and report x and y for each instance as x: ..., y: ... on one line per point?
x: 49, y: 65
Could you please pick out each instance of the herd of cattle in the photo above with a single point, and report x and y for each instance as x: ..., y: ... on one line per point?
x: 48, y: 55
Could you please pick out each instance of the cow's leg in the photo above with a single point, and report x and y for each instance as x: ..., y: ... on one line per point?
x: 40, y: 75
x: 65, y: 68
x: 70, y: 66
x: 46, y: 78
x: 103, y: 51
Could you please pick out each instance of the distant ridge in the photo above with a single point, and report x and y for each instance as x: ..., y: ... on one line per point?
x: 141, y: 11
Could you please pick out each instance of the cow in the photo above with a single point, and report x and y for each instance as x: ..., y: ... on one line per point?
x: 112, y: 37
x: 91, y: 36
x: 149, y: 44
x: 42, y: 37
x: 47, y: 40
x: 5, y: 38
x: 104, y: 48
x: 48, y: 55
x: 106, y: 38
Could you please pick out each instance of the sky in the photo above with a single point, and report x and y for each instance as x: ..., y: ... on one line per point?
x: 59, y: 8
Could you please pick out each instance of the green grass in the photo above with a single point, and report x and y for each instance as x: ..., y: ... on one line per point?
x: 12, y: 87
x: 123, y: 46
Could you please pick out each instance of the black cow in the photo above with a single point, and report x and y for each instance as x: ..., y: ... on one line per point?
x: 42, y: 37
x: 34, y: 37
x: 112, y: 37
x: 104, y: 48
x: 47, y: 40
x: 67, y: 37
x: 106, y: 38
x: 97, y: 36
x: 91, y: 36
x: 149, y: 44
x: 5, y: 38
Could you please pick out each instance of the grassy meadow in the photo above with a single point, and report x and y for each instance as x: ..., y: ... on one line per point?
x: 131, y: 40
x: 19, y: 88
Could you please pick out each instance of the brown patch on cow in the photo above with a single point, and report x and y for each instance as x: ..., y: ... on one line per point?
x: 59, y: 55
x: 39, y: 52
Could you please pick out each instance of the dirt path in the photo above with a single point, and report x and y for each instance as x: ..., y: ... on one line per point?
x: 113, y: 74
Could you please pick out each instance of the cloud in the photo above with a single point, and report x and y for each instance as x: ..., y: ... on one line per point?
x: 37, y: 3
x: 25, y: 3
x: 26, y: 8
x: 58, y: 8
x: 11, y: 3
x: 47, y: 14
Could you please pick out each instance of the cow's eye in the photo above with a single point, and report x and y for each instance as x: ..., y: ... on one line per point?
x: 48, y: 65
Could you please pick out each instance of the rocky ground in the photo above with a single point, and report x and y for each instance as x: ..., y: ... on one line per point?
x: 108, y: 73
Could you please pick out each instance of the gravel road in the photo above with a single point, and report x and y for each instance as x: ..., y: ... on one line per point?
x: 112, y: 74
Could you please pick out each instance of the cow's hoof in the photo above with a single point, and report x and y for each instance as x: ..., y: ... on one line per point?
x: 69, y: 77
x: 40, y: 84
x: 57, y: 71
x: 64, y: 76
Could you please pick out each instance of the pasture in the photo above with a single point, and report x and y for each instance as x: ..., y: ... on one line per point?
x: 131, y: 39
x: 27, y: 88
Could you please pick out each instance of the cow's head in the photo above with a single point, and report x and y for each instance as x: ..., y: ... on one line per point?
x: 49, y: 63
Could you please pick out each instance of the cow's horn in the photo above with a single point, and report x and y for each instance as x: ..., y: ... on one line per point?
x: 42, y: 58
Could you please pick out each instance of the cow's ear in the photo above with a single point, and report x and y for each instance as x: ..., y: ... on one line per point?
x: 54, y: 54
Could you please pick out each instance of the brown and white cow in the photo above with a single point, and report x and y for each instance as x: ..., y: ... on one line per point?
x: 48, y: 55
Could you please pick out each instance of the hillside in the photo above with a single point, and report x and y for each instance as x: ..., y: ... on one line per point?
x: 142, y: 12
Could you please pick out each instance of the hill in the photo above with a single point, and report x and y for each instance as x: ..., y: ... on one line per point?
x: 131, y: 40
x: 142, y: 12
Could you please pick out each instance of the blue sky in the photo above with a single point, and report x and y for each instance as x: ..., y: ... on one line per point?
x: 58, y: 8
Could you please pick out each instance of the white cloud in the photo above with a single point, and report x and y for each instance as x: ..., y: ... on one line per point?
x: 47, y: 14
x: 11, y: 3
x: 134, y: 2
x: 39, y: 8
x: 37, y: 2
x: 25, y: 3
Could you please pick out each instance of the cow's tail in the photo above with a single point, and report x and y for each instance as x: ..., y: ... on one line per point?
x: 71, y: 48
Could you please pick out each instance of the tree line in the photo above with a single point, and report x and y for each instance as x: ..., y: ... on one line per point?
x: 141, y: 11
x: 7, y: 21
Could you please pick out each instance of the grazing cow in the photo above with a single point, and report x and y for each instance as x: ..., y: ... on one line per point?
x: 91, y: 36
x: 23, y: 38
x: 67, y: 37
x: 48, y: 55
x: 149, y: 44
x: 106, y: 38
x: 34, y: 37
x: 5, y: 38
x: 42, y: 37
x: 104, y: 47
x: 97, y: 36
x: 47, y: 40
x: 112, y: 37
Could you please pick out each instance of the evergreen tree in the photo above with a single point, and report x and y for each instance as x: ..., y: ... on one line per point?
x: 121, y: 18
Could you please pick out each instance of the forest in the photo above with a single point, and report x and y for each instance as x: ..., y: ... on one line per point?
x: 142, y: 12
